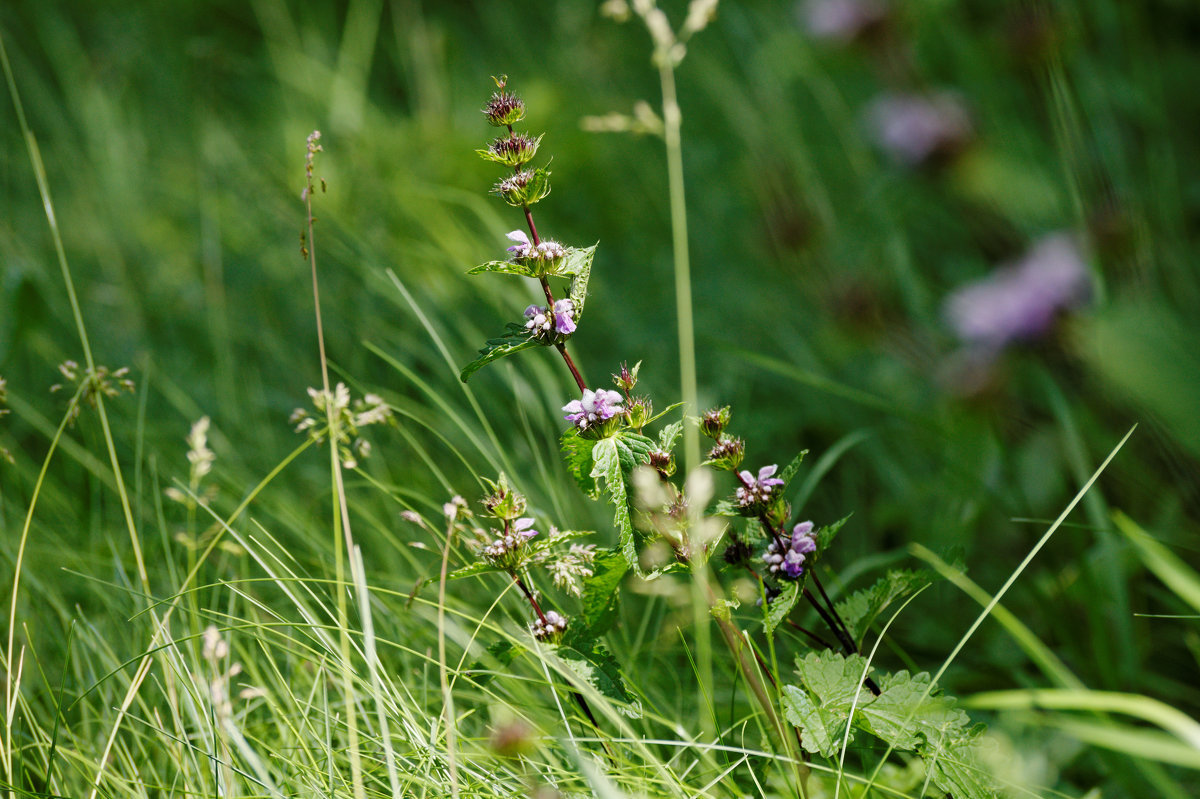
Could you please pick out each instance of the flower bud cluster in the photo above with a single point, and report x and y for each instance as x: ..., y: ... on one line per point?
x: 755, y: 494
x: 514, y: 150
x: 550, y: 627
x: 524, y: 251
x: 504, y: 109
x: 592, y: 411
x: 504, y: 502
x: 788, y: 564
x: 505, y: 551
x: 524, y: 188
x: 727, y: 451
x: 551, y: 326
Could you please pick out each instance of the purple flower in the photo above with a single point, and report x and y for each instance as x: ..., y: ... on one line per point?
x: 564, y: 317
x: 544, y: 251
x: 840, y: 20
x: 789, y: 564
x: 758, y: 491
x: 546, y: 325
x: 522, y: 246
x: 595, y: 407
x: 1021, y: 301
x: 523, y: 527
x: 913, y: 128
x: 549, y: 627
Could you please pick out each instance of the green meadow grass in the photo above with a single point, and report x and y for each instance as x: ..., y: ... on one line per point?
x: 168, y: 142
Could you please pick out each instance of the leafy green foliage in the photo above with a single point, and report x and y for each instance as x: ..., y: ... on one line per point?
x: 832, y: 685
x: 600, y: 591
x: 861, y: 608
x: 577, y: 454
x: 778, y: 608
x: 792, y: 469
x: 826, y: 534
x: 515, y: 339
x: 906, y: 715
x: 588, y: 658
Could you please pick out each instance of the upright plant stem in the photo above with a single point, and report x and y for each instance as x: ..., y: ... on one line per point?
x: 672, y: 121
x: 341, y: 514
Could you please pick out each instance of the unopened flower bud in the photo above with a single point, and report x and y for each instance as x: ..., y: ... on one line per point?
x: 727, y: 454
x: 524, y: 188
x: 549, y: 628
x: 628, y: 378
x: 714, y: 422
x: 504, y: 502
x: 640, y: 412
x: 663, y: 462
x: 504, y: 109
x: 514, y: 150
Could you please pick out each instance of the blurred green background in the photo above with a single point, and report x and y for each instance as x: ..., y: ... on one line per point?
x: 173, y: 136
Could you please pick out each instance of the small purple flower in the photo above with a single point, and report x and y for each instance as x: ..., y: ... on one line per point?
x: 546, y: 325
x: 789, y: 564
x: 564, y: 317
x: 550, y: 627
x: 1021, y: 301
x: 758, y: 491
x: 841, y: 20
x: 522, y: 246
x: 914, y: 128
x: 524, y: 528
x: 544, y: 251
x: 593, y: 408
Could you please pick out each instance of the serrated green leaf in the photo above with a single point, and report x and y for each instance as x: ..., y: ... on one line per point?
x: 955, y: 772
x: 588, y: 658
x: 541, y: 544
x: 831, y: 687
x: 478, y: 567
x: 600, y: 591
x: 906, y: 714
x: 515, y: 339
x: 778, y: 608
x: 606, y: 465
x: 790, y: 471
x: 634, y: 450
x: 504, y: 268
x: 577, y: 453
x: 861, y: 608
x: 669, y: 435
x: 578, y: 266
x: 826, y: 534
x: 822, y: 730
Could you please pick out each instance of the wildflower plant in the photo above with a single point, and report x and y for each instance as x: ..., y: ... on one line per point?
x: 611, y: 450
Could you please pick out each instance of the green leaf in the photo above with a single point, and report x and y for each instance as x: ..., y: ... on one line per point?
x: 792, y: 469
x: 907, y: 714
x: 578, y: 266
x: 577, y: 453
x: 600, y: 591
x: 822, y: 730
x: 588, y: 658
x: 826, y: 534
x: 478, y: 567
x: 669, y: 435
x: 502, y: 652
x: 955, y: 772
x: 778, y: 608
x: 505, y: 268
x: 541, y: 544
x: 831, y: 687
x: 515, y: 339
x: 861, y: 608
x: 606, y: 465
x: 634, y: 450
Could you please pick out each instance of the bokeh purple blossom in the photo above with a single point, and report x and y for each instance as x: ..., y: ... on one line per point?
x: 915, y: 128
x: 1021, y: 301
x: 789, y: 563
